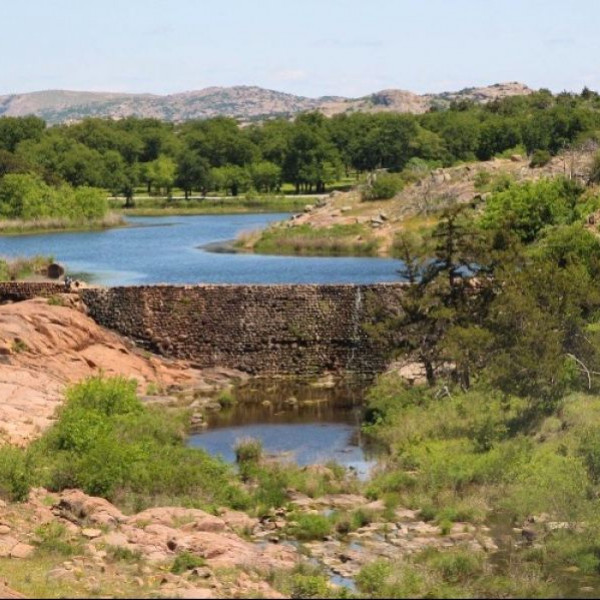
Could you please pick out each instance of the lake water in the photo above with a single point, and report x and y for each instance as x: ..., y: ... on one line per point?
x: 295, y: 420
x: 169, y: 250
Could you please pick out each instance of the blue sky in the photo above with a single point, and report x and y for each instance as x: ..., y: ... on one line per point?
x: 309, y: 47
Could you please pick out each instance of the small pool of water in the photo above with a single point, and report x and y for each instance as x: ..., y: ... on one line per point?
x: 296, y: 421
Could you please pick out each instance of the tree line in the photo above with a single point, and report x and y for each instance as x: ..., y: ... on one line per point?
x: 309, y: 152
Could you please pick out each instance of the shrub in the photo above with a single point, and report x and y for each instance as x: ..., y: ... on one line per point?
x: 186, y: 561
x: 383, y: 187
x: 15, y: 476
x: 482, y: 179
x: 226, y: 399
x: 457, y: 565
x: 107, y: 443
x: 311, y: 526
x: 52, y: 538
x: 539, y: 158
x: 309, y: 586
x: 248, y: 450
x: 527, y: 208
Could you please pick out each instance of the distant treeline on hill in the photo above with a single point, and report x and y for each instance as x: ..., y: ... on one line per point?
x: 309, y: 153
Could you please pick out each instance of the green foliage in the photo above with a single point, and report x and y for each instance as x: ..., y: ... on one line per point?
x: 248, y: 450
x: 308, y: 526
x: 482, y: 179
x: 24, y: 196
x: 186, y: 561
x: 107, y: 443
x: 309, y: 586
x: 527, y: 208
x: 53, y: 538
x: 15, y: 475
x: 354, y: 239
x: 382, y: 187
x: 539, y: 158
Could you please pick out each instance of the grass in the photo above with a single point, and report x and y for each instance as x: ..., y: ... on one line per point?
x: 464, y: 457
x: 19, y: 226
x: 150, y: 207
x: 338, y: 240
x: 12, y: 269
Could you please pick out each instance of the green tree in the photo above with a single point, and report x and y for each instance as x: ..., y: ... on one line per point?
x: 160, y: 174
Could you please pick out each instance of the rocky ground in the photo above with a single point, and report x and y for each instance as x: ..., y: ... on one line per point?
x: 82, y: 545
x: 45, y: 345
x: 417, y: 204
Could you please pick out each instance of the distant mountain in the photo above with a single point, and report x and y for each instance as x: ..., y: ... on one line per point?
x: 243, y: 102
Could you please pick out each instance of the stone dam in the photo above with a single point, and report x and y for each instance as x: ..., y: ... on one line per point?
x: 260, y: 329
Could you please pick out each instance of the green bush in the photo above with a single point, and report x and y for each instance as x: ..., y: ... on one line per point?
x: 311, y: 526
x: 15, y: 475
x: 383, y: 187
x: 53, y: 538
x: 248, y: 450
x: 107, y: 443
x: 540, y: 158
x: 28, y: 197
x: 309, y: 586
x: 186, y: 561
x: 482, y: 179
x: 527, y: 208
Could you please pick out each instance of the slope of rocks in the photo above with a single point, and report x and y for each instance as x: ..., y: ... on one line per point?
x: 45, y: 347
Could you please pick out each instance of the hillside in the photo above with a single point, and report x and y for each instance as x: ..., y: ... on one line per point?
x: 244, y: 102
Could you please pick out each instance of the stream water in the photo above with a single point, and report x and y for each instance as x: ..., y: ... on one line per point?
x: 296, y: 420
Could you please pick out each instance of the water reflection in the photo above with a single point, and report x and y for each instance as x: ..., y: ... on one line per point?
x: 303, y: 422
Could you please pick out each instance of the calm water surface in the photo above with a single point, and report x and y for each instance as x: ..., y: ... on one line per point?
x: 302, y: 423
x: 169, y: 250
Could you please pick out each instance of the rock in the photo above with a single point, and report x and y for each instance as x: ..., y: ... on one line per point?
x: 22, y: 551
x: 54, y: 271
x: 4, y: 529
x: 345, y: 209
x: 189, y: 519
x: 7, y: 592
x: 238, y: 521
x: 516, y: 158
x: 383, y: 216
x: 7, y: 543
x: 308, y: 207
x: 528, y: 534
x: 194, y: 593
x: 90, y: 533
x: 76, y: 505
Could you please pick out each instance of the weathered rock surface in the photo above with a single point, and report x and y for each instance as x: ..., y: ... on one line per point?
x: 44, y: 348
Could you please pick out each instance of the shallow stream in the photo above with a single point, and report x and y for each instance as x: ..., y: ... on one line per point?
x: 301, y: 421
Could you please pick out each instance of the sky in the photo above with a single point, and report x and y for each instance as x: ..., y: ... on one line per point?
x: 307, y: 47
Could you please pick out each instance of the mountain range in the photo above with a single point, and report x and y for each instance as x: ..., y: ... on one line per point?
x: 247, y: 103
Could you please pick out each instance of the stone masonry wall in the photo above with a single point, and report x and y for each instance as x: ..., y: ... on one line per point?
x: 16, y: 291
x: 269, y: 329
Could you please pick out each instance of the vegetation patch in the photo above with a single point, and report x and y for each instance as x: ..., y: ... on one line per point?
x: 307, y: 240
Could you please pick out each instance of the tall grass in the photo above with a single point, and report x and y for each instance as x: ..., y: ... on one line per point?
x: 18, y: 226
x: 339, y: 240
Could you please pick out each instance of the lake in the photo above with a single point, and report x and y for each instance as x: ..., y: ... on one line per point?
x: 170, y: 250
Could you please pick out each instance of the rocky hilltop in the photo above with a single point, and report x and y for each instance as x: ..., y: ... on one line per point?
x: 243, y: 102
